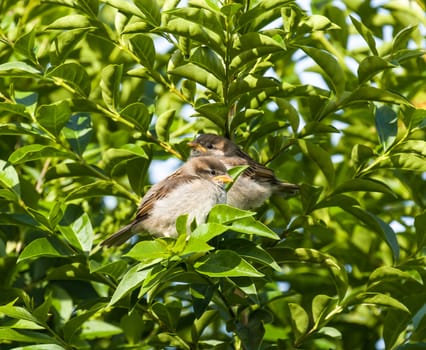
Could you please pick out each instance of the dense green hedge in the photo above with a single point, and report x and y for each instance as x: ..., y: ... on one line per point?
x: 91, y: 92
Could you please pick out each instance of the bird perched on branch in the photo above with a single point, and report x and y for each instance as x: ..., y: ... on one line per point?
x: 255, y: 185
x: 193, y: 189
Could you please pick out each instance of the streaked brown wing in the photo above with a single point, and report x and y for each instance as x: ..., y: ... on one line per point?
x: 160, y: 190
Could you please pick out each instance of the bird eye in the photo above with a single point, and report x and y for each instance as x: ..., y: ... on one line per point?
x: 213, y: 172
x: 209, y: 146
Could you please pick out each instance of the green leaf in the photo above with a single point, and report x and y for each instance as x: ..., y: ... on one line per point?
x: 321, y: 157
x: 35, y: 152
x: 222, y: 214
x: 331, y: 67
x: 200, y: 75
x: 386, y: 125
x: 216, y: 112
x: 369, y: 93
x: 44, y: 247
x: 149, y: 250
x: 110, y: 85
x: 151, y: 10
x: 163, y: 124
x: 14, y: 108
x: 53, y: 117
x: 225, y: 263
x: 143, y: 47
x: 299, y: 320
x: 73, y: 74
x: 70, y: 22
x: 205, y: 232
x: 25, y: 45
x: 168, y: 313
x: 78, y: 131
x: 40, y: 347
x: 74, y: 324
x: 363, y: 184
x: 251, y: 226
x: 252, y: 84
x: 18, y: 68
x: 92, y: 329
x: 137, y: 169
x: 366, y: 34
x: 208, y: 60
x: 404, y: 161
x: 7, y: 334
x: 194, y: 31
x: 72, y: 170
x: 97, y: 189
x: 126, y: 7
x: 400, y: 40
x: 379, y: 299
x: 17, y: 312
x: 115, y: 156
x: 251, y: 251
x: 322, y: 306
x: 9, y: 178
x: 251, y: 47
x: 420, y: 224
x: 79, y: 233
x: 130, y: 281
x: 138, y: 114
x: 370, y: 66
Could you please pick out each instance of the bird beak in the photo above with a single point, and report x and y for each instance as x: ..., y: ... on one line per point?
x: 197, y: 147
x: 223, y: 178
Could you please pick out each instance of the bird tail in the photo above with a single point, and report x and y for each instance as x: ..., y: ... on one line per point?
x: 288, y: 189
x: 120, y: 237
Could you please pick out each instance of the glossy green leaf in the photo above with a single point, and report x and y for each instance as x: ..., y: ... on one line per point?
x: 199, y: 75
x: 25, y: 45
x: 70, y: 22
x: 115, y: 156
x: 363, y: 184
x: 136, y: 169
x: 138, y: 114
x: 252, y: 84
x: 169, y: 313
x: 99, y: 188
x: 12, y: 68
x: 8, y: 334
x: 321, y: 157
x: 72, y: 74
x: 72, y: 170
x: 404, y: 161
x: 401, y: 38
x: 163, y: 124
x: 369, y: 93
x: 366, y: 34
x: 9, y: 178
x: 44, y: 247
x: 149, y: 250
x: 371, y: 66
x: 133, y: 278
x: 35, y: 152
x: 420, y: 224
x: 53, y: 117
x: 223, y: 214
x: 110, y: 85
x: 381, y: 300
x: 151, y: 10
x: 331, y: 67
x: 126, y: 7
x: 208, y: 60
x: 194, y: 31
x: 143, y: 47
x: 251, y: 226
x: 386, y: 125
x: 40, y: 347
x: 216, y: 112
x: 79, y: 233
x: 62, y: 48
x: 205, y: 232
x: 322, y: 306
x: 299, y: 320
x: 225, y: 263
x: 78, y: 131
x: 252, y: 46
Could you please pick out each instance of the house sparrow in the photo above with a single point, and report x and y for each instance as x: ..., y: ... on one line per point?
x: 193, y: 189
x: 255, y: 185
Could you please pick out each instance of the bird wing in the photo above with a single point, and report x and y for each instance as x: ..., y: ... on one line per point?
x: 159, y: 191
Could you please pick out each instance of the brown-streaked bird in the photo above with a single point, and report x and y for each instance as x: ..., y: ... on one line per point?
x: 255, y: 185
x: 193, y: 189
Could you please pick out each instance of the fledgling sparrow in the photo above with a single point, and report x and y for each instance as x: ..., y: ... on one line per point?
x: 255, y: 185
x: 193, y: 189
